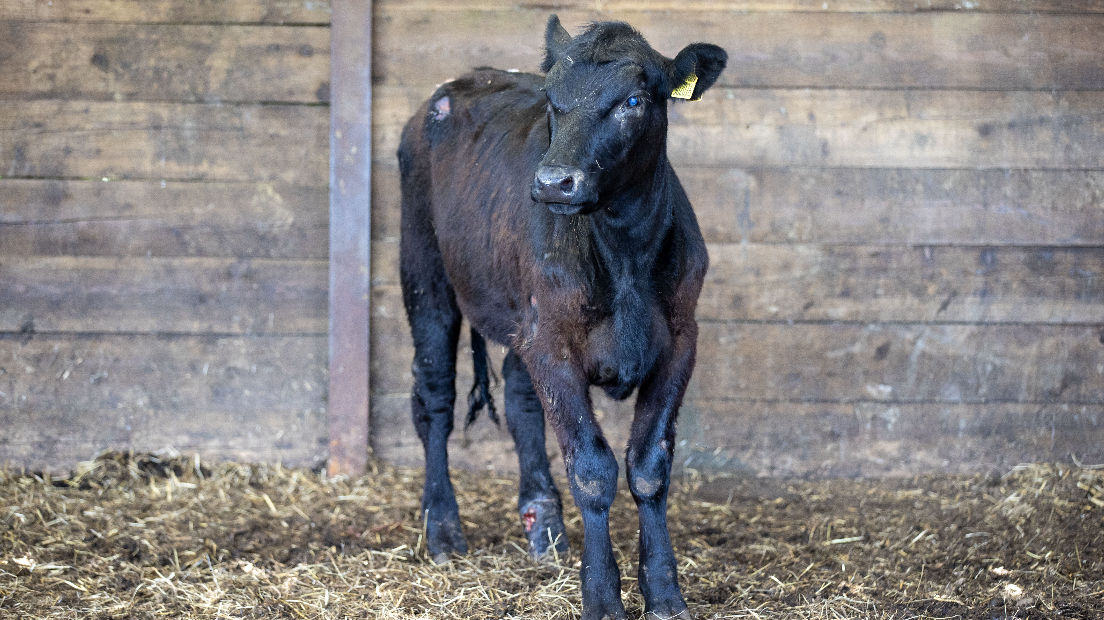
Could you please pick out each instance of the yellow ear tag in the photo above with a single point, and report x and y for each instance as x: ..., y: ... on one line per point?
x: 686, y: 91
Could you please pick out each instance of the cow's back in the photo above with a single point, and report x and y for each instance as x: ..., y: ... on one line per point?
x: 477, y: 142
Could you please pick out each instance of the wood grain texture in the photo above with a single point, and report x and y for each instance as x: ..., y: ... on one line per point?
x: 849, y: 362
x: 877, y: 439
x: 900, y: 363
x: 160, y: 219
x: 930, y: 49
x: 925, y: 284
x: 350, y: 238
x: 139, y: 372
x: 867, y: 205
x: 910, y: 129
x: 951, y: 284
x: 96, y: 140
x: 162, y: 295
x: 180, y: 63
x: 612, y: 8
x: 171, y: 11
x: 898, y: 206
x: 800, y: 439
x: 55, y: 440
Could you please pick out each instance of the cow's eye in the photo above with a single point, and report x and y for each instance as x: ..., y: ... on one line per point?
x: 633, y: 102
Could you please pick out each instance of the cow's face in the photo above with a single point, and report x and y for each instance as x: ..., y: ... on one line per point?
x: 607, y: 110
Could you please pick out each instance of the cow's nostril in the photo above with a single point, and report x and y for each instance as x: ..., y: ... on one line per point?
x: 567, y: 184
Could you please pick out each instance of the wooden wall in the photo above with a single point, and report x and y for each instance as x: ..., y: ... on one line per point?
x: 163, y: 228
x: 904, y: 205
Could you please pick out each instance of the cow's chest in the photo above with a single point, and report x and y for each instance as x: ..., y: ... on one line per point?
x: 622, y: 348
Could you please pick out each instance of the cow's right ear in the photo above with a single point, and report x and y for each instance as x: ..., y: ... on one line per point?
x: 556, y: 39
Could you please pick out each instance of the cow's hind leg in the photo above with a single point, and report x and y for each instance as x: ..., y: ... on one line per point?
x: 538, y: 498
x: 435, y: 326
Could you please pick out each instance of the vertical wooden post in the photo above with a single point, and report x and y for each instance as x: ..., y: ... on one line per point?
x: 350, y: 232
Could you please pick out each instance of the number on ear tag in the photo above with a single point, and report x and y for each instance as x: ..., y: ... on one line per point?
x: 686, y: 90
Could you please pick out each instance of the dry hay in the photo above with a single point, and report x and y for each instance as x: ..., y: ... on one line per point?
x: 163, y: 535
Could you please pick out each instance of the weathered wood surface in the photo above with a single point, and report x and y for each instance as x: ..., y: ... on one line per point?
x: 889, y: 206
x: 985, y: 284
x: 804, y: 439
x: 879, y: 439
x: 272, y: 12
x: 318, y: 11
x: 55, y: 440
x: 898, y: 206
x: 925, y: 284
x: 846, y: 362
x: 614, y: 7
x: 800, y: 50
x: 350, y: 237
x: 162, y: 295
x: 126, y: 62
x: 161, y: 219
x: 90, y: 372
x: 257, y: 143
x: 913, y: 129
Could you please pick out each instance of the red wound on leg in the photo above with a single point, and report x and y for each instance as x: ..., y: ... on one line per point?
x: 529, y: 518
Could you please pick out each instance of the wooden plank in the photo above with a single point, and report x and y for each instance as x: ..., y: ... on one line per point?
x: 350, y: 237
x: 898, y: 206
x: 162, y: 295
x: 918, y: 284
x: 875, y: 439
x: 886, y: 129
x: 900, y: 363
x: 612, y: 9
x: 56, y: 439
x: 801, y: 439
x: 170, y: 11
x: 875, y: 369
x: 164, y: 141
x: 137, y: 373
x: 318, y: 11
x: 932, y: 49
x: 866, y: 205
x: 914, y: 129
x: 826, y: 362
x: 868, y: 283
x: 157, y: 218
x: 124, y: 62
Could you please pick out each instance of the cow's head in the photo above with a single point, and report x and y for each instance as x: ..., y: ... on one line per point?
x: 607, y: 110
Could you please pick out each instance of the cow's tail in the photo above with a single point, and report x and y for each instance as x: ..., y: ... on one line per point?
x: 480, y: 394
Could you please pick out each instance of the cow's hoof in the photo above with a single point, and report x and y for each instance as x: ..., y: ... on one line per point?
x: 682, y: 615
x: 544, y: 527
x: 443, y: 538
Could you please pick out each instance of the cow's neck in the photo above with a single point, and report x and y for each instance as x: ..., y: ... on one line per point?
x: 624, y: 236
x: 628, y: 231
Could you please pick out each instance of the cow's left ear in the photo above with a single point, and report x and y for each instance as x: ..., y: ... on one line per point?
x: 695, y: 69
x: 556, y: 38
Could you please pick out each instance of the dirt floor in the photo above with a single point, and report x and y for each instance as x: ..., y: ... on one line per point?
x: 149, y: 536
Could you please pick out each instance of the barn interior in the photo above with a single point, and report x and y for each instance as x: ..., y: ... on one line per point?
x: 904, y: 208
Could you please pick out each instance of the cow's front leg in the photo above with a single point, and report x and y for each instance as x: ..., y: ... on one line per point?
x: 648, y: 462
x: 592, y: 474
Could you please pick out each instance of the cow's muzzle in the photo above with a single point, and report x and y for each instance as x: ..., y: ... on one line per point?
x: 565, y: 190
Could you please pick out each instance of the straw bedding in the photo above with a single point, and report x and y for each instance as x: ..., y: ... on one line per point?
x: 166, y: 535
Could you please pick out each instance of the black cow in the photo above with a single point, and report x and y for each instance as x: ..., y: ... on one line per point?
x: 544, y: 209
